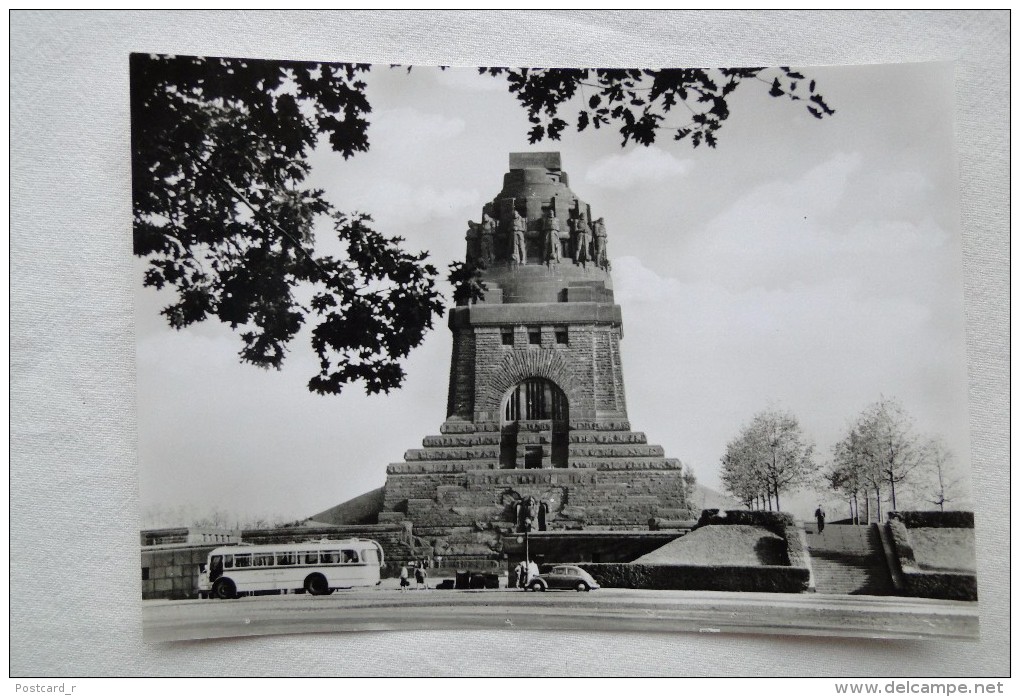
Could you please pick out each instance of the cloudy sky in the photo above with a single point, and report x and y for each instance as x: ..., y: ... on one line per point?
x: 807, y: 265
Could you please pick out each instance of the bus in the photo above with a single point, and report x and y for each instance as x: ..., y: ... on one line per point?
x: 317, y: 568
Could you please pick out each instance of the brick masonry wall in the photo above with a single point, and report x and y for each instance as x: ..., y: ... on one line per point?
x: 460, y: 400
x: 172, y: 573
x: 578, y: 496
x: 586, y: 368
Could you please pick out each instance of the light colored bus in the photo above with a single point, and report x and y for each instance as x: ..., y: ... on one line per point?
x: 317, y: 568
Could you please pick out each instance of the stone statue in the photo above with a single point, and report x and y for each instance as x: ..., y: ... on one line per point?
x: 519, y: 251
x: 551, y: 228
x: 582, y: 240
x: 473, y: 233
x: 600, y: 244
x: 488, y: 229
x: 527, y: 514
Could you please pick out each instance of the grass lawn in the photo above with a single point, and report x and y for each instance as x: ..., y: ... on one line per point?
x: 727, y: 545
x: 944, y: 549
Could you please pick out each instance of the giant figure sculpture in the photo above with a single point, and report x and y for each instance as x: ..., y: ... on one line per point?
x: 551, y: 228
x: 488, y: 229
x: 519, y: 252
x: 601, y: 258
x: 582, y: 240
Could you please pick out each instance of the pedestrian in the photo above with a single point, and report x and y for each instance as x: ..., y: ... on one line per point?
x: 419, y: 576
x: 404, y: 581
x: 820, y: 517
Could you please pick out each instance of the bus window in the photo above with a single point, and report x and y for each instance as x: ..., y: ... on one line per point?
x: 311, y: 557
x: 370, y: 556
x: 330, y: 557
x: 242, y: 560
x: 350, y: 556
x: 286, y: 559
x: 262, y: 559
x: 216, y: 564
x: 228, y: 561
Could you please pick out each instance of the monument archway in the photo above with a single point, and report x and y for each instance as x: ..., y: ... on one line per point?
x: 533, y: 425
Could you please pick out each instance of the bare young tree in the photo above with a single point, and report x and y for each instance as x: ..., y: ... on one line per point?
x: 846, y: 475
x: 771, y: 455
x: 890, y: 443
x: 942, y: 481
x: 880, y: 452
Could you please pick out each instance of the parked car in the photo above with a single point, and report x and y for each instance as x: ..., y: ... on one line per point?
x: 564, y: 577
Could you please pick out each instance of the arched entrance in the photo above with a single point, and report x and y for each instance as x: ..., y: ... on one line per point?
x: 534, y: 426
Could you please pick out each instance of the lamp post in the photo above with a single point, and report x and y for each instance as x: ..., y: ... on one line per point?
x: 524, y: 539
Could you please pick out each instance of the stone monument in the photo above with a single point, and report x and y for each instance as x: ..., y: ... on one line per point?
x: 536, y: 436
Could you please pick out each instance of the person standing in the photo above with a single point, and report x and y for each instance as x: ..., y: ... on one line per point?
x: 404, y: 581
x: 820, y: 517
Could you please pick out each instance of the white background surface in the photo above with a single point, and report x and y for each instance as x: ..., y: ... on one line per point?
x: 73, y: 462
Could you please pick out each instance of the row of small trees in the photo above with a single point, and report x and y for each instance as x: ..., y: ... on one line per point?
x: 877, y: 457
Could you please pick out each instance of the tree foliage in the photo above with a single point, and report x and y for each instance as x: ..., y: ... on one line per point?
x: 225, y: 220
x: 223, y: 216
x: 769, y: 456
x: 688, y: 103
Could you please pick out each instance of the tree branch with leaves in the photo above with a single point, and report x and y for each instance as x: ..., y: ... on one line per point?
x: 222, y: 215
x: 686, y: 103
x: 225, y: 221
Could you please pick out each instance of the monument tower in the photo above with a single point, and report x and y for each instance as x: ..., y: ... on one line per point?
x: 536, y: 435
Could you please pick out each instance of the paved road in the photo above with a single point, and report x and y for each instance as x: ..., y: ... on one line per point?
x: 602, y: 610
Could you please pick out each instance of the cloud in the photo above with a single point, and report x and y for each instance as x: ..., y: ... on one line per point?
x: 469, y: 79
x: 398, y: 203
x: 639, y: 165
x: 813, y: 229
x: 701, y: 358
x: 410, y: 125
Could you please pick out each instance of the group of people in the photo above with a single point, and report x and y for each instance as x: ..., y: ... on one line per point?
x: 421, y: 576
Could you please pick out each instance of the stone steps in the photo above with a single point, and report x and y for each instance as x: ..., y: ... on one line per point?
x: 588, y: 451
x: 613, y: 464
x: 442, y: 454
x: 461, y: 440
x: 608, y: 437
x: 848, y: 560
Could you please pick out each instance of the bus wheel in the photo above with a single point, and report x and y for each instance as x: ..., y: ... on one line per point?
x: 316, y: 584
x: 224, y: 589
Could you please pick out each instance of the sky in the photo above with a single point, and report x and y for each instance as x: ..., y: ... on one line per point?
x: 807, y: 265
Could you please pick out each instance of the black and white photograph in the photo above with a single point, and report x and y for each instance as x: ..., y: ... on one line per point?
x: 510, y: 344
x: 384, y: 375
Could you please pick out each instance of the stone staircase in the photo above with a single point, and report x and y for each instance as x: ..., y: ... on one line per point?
x: 848, y: 560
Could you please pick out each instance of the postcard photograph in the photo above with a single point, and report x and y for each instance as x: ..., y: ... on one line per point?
x: 672, y: 349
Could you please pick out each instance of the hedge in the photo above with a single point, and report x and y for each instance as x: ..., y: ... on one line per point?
x: 770, y: 520
x: 796, y: 551
x: 741, y: 579
x: 901, y: 542
x: 940, y: 584
x: 934, y: 519
x: 943, y: 585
